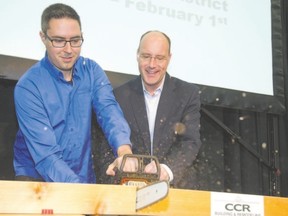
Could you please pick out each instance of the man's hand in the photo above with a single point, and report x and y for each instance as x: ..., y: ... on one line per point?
x: 131, y: 164
x: 152, y: 168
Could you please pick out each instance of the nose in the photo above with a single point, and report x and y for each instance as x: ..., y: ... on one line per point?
x: 67, y: 47
x: 152, y: 62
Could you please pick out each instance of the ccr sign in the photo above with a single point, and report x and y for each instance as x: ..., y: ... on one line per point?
x: 232, y: 204
x: 237, y: 207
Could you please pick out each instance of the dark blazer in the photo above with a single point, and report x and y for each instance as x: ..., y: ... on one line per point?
x: 176, y: 139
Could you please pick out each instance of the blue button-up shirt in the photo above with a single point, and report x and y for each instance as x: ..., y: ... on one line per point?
x: 54, y: 116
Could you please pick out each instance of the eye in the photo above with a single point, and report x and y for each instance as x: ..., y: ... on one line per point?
x: 145, y: 56
x: 160, y: 58
x: 76, y: 40
x: 59, y: 41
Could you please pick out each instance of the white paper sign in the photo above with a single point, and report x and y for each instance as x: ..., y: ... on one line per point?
x: 232, y: 204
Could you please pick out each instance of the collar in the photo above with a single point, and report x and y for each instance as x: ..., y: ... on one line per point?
x: 158, y: 90
x: 55, y: 72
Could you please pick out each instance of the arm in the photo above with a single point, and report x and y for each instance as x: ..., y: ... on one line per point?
x: 109, y: 114
x: 111, y: 119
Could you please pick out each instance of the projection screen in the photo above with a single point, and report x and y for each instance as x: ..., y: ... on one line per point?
x: 221, y: 43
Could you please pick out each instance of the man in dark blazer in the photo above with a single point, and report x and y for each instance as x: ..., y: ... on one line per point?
x: 163, y: 112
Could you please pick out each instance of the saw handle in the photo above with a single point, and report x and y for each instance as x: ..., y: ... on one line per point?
x: 142, y: 161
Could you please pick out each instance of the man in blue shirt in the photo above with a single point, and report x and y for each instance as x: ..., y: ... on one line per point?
x: 54, y: 101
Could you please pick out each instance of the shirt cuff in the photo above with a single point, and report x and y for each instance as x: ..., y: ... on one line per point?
x: 169, y: 171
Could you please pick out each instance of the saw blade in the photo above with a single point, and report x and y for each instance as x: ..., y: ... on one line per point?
x: 151, y: 193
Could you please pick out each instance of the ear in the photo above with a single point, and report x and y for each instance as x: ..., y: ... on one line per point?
x: 42, y: 36
x: 169, y: 57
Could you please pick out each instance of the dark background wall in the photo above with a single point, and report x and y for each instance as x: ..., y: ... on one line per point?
x: 245, y: 147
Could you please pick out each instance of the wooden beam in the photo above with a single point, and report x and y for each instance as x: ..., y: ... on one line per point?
x: 36, y: 198
x: 62, y: 198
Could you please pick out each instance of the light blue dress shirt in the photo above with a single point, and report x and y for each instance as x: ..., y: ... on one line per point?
x: 151, y: 103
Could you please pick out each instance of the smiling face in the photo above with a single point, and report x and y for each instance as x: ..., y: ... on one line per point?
x: 62, y: 29
x: 153, y: 59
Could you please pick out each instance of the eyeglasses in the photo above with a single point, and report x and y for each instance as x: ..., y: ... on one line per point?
x: 60, y: 43
x: 147, y: 58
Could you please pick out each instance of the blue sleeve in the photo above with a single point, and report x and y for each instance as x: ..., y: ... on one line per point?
x: 39, y: 135
x: 109, y: 114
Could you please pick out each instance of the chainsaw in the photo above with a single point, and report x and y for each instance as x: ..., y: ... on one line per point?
x: 149, y: 188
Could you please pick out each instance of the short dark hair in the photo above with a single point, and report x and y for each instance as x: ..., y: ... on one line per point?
x: 166, y: 36
x: 57, y: 11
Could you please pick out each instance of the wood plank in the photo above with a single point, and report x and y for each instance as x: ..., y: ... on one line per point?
x: 62, y: 198
x: 275, y: 206
x: 41, y: 214
x: 32, y: 198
